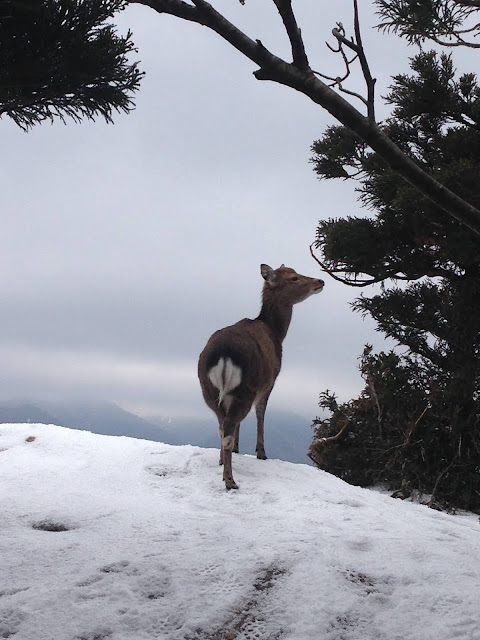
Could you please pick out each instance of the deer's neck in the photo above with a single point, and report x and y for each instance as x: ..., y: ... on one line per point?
x: 276, y: 316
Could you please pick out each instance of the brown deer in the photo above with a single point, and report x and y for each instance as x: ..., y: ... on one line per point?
x: 239, y: 365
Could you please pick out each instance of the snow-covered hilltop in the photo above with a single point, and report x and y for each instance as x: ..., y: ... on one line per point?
x: 107, y: 538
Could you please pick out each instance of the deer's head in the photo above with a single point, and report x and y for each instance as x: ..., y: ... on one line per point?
x: 287, y: 285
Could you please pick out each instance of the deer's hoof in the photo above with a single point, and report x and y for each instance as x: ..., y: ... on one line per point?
x: 230, y: 484
x: 235, y: 449
x: 261, y: 455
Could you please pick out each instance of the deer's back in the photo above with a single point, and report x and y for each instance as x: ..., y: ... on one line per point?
x: 252, y: 347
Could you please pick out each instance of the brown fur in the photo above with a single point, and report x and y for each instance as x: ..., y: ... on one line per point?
x: 255, y: 347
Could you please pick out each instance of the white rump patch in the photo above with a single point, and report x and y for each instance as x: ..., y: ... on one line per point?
x: 216, y: 374
x: 233, y: 375
x: 225, y: 376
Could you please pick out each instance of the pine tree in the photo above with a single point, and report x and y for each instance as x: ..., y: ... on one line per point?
x: 429, y: 267
x: 58, y: 59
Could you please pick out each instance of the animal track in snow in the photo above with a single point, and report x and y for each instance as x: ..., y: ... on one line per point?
x: 166, y: 471
x: 154, y: 587
x: 360, y: 544
x: 11, y: 591
x: 147, y: 581
x: 95, y: 635
x: 465, y: 630
x: 350, y: 502
x: 251, y: 620
x: 115, y: 567
x: 51, y: 525
x: 362, y: 580
x: 10, y: 621
x: 88, y: 582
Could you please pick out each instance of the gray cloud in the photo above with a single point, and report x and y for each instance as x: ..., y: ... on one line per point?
x: 125, y: 246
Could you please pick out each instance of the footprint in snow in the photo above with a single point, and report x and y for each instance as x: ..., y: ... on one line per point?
x: 102, y: 634
x: 360, y: 544
x: 115, y: 567
x: 252, y: 619
x: 55, y: 526
x: 10, y: 622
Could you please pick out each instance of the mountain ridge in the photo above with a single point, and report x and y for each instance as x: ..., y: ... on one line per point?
x: 287, y: 435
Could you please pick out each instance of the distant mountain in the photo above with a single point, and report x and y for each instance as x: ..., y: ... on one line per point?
x: 25, y: 412
x: 103, y: 417
x: 287, y: 435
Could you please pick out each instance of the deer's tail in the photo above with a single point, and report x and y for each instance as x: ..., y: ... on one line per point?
x: 225, y: 376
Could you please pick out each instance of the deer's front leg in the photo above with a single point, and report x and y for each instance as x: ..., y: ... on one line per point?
x: 220, y: 435
x: 227, y: 470
x: 260, y: 412
x: 237, y: 435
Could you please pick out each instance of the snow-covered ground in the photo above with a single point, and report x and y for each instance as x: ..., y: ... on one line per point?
x: 151, y: 546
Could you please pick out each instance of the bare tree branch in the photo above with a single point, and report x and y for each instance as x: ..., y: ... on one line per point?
x: 176, y: 8
x: 459, y: 43
x: 387, y: 273
x: 475, y: 27
x: 304, y: 81
x: 415, y: 424
x: 468, y: 3
x: 332, y: 438
x: 327, y: 439
x: 285, y: 10
x: 431, y: 502
x: 356, y: 95
x: 356, y: 45
x: 351, y: 283
x: 370, y: 82
x: 374, y: 395
x: 338, y: 79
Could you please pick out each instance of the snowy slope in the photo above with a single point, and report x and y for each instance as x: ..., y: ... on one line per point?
x: 155, y: 548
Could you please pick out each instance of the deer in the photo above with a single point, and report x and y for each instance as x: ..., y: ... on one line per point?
x: 240, y: 363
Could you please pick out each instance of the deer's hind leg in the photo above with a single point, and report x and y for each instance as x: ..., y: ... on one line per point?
x: 221, y: 433
x: 229, y: 430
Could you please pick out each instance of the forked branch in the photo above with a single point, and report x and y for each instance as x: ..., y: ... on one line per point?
x: 332, y: 438
x: 459, y: 41
x: 355, y: 44
x: 349, y: 281
x: 299, y: 56
x: 323, y: 441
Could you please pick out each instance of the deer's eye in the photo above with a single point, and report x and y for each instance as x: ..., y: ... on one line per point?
x: 294, y: 278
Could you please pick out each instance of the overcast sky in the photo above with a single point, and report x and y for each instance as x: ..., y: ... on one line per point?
x: 125, y: 246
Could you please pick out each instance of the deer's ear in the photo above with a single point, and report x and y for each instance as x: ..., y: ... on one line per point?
x: 268, y: 274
